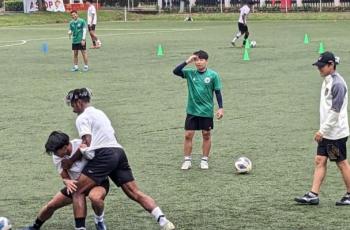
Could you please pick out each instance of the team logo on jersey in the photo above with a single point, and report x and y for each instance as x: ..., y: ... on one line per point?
x: 207, y: 80
x: 326, y: 91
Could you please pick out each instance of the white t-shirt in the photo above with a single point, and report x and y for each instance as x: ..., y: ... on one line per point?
x: 78, y: 166
x: 94, y: 122
x: 90, y: 13
x: 244, y: 11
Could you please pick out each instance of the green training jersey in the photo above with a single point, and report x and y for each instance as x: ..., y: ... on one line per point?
x: 77, y: 26
x: 201, y: 87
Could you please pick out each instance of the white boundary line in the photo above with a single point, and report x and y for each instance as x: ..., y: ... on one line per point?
x: 99, y: 29
x: 22, y: 42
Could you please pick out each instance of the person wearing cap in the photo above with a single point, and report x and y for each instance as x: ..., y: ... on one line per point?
x: 109, y: 160
x: 202, y: 83
x: 334, y: 129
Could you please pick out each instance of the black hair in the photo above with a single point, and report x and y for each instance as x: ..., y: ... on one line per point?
x: 74, y: 11
x: 201, y: 54
x: 56, y: 140
x: 83, y: 94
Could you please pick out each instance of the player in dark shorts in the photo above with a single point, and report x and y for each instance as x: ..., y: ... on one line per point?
x: 333, y: 132
x: 202, y: 82
x: 110, y: 160
x: 59, y: 146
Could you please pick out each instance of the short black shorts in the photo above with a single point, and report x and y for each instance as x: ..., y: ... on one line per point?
x: 109, y: 162
x: 335, y: 150
x: 198, y: 123
x: 92, y: 27
x: 78, y: 46
x: 105, y: 185
x: 242, y: 28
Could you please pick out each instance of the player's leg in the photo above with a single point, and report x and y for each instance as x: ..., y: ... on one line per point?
x: 122, y: 176
x: 311, y: 197
x: 97, y: 196
x: 84, y: 184
x: 344, y: 167
x: 85, y: 58
x: 75, y: 58
x: 191, y: 124
x: 58, y: 201
x: 205, y: 149
x: 91, y: 32
x: 246, y: 35
x: 238, y: 35
x: 148, y: 203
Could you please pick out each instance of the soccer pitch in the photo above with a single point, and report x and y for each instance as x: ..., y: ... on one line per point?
x: 271, y: 113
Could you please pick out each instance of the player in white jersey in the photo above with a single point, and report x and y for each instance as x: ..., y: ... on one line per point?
x: 92, y: 21
x: 110, y: 160
x: 333, y: 132
x: 60, y: 147
x: 242, y: 24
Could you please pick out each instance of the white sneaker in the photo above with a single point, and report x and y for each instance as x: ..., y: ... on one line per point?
x: 168, y: 226
x: 187, y: 164
x: 204, y: 164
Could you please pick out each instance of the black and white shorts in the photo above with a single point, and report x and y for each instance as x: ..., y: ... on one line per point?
x: 335, y: 150
x: 198, y: 123
x: 109, y: 162
x: 105, y: 185
x: 242, y: 28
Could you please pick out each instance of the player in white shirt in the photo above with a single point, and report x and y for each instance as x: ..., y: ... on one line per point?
x: 334, y: 129
x: 110, y: 160
x: 92, y: 21
x: 60, y: 147
x: 242, y: 24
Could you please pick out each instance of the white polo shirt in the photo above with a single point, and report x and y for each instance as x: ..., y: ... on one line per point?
x: 333, y: 107
x: 94, y: 122
x: 91, y: 11
x: 78, y: 166
x: 244, y: 10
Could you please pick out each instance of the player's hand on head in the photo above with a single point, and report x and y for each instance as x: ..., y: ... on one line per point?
x: 220, y: 113
x: 67, y: 163
x: 71, y: 185
x: 191, y: 59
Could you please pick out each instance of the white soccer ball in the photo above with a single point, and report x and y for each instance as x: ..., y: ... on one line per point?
x: 253, y: 44
x: 243, y: 165
x: 5, y: 224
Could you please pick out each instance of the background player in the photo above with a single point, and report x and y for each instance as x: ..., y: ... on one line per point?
x: 242, y: 24
x: 92, y: 21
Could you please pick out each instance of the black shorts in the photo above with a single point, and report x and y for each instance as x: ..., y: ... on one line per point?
x: 198, y: 123
x: 335, y: 150
x: 105, y: 185
x: 78, y: 46
x: 92, y: 27
x: 109, y: 162
x: 242, y: 28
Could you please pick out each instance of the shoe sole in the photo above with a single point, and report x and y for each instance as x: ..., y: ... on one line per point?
x: 305, y: 202
x: 341, y: 204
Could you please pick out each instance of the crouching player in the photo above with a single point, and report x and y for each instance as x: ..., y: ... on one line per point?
x: 60, y: 147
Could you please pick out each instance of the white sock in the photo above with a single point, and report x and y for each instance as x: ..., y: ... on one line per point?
x: 82, y: 228
x: 86, y: 66
x: 76, y: 66
x: 159, y: 216
x: 99, y: 218
x: 204, y: 158
x: 237, y: 36
x: 188, y: 158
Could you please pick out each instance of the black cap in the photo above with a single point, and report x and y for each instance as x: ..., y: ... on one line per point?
x: 324, y: 59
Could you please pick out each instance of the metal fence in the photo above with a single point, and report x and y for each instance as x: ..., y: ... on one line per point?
x: 207, y: 6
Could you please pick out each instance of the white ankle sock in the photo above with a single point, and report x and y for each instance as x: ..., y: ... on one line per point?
x: 159, y: 216
x: 99, y: 218
x: 204, y: 158
x: 188, y: 158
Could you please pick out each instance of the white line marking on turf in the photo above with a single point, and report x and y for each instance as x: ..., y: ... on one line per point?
x: 99, y: 29
x: 19, y: 43
x: 22, y: 42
